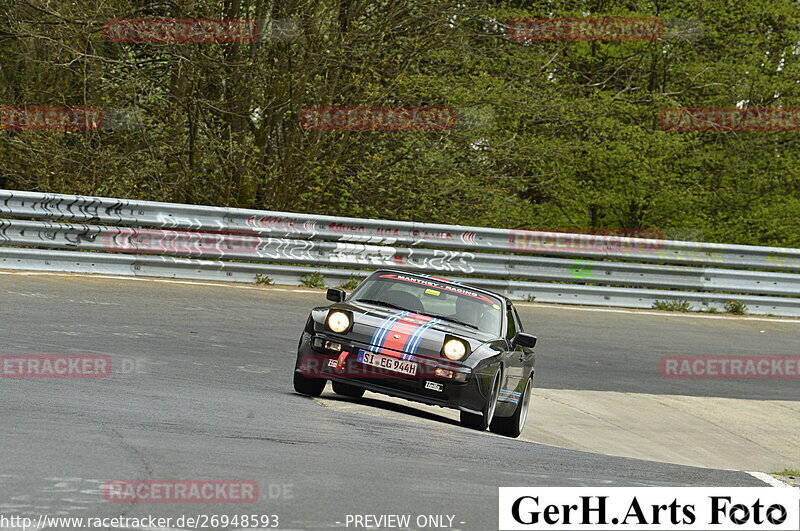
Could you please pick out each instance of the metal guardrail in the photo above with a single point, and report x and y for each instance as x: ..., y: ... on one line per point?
x: 141, y: 238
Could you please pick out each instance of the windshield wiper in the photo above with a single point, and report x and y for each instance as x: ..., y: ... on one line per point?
x: 452, y: 319
x: 381, y: 303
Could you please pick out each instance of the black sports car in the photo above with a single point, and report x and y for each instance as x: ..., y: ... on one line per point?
x: 426, y: 339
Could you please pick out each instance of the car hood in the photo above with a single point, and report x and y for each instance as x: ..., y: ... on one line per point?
x: 406, y: 332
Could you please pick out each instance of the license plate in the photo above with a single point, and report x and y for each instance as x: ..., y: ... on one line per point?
x: 388, y: 363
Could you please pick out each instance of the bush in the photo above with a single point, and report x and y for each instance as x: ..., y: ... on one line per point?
x: 736, y: 307
x: 673, y: 306
x: 313, y: 280
x: 351, y: 284
x: 264, y: 280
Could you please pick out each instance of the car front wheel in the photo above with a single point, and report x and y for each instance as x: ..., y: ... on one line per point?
x: 512, y: 426
x: 482, y: 421
x: 308, y: 386
x: 347, y: 390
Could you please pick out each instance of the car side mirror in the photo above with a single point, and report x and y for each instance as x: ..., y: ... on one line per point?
x: 525, y: 340
x: 336, y: 295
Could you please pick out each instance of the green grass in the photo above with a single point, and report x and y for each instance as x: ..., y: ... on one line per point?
x: 264, y: 280
x: 788, y: 472
x: 736, y: 307
x: 350, y: 284
x: 313, y: 280
x: 672, y: 306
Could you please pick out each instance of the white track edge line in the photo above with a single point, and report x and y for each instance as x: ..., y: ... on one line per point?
x: 690, y: 315
x: 769, y: 480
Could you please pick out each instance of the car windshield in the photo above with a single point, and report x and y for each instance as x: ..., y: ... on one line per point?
x: 453, y: 303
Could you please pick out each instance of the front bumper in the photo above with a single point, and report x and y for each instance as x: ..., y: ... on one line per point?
x: 465, y: 392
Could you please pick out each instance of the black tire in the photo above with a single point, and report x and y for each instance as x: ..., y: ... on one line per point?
x: 512, y: 426
x: 344, y: 389
x: 484, y: 420
x: 308, y: 386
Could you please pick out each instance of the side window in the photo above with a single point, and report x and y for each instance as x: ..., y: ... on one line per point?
x: 511, y: 324
x: 517, y: 320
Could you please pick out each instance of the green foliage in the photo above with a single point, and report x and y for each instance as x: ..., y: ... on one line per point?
x: 551, y: 134
x: 313, y: 280
x: 789, y: 472
x: 672, y: 306
x: 264, y: 280
x: 350, y: 284
x: 736, y: 307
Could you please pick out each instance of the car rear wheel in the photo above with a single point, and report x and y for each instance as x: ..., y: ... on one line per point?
x: 308, y: 386
x: 482, y: 421
x: 347, y: 390
x: 512, y: 426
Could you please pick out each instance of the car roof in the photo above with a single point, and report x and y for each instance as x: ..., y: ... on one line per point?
x: 443, y: 280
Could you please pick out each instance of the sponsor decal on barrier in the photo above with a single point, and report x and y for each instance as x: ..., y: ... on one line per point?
x: 654, y: 508
x: 730, y: 119
x: 181, y: 491
x: 377, y: 118
x: 585, y: 29
x: 55, y: 366
x: 730, y: 367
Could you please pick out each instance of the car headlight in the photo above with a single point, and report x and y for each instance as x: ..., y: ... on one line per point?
x: 338, y: 321
x: 454, y: 349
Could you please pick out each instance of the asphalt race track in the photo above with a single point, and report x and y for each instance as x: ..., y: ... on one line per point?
x: 208, y: 395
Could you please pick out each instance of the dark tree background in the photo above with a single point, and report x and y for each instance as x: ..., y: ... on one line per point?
x: 552, y: 135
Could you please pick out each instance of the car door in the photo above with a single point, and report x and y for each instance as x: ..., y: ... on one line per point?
x: 520, y: 361
x: 514, y: 366
x: 526, y: 356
